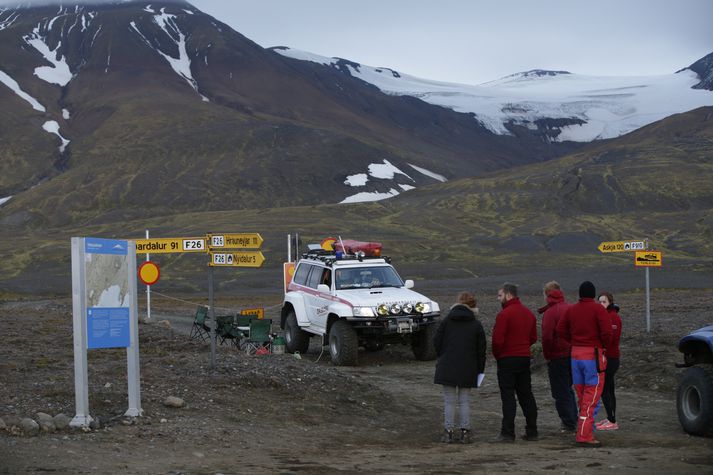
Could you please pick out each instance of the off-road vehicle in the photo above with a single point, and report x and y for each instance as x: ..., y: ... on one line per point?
x: 354, y: 300
x: 694, y: 397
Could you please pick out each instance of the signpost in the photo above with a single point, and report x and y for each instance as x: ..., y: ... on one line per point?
x: 170, y: 245
x: 621, y: 246
x: 220, y: 246
x: 643, y: 257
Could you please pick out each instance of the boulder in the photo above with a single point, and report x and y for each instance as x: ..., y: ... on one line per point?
x: 46, y: 422
x: 173, y: 401
x: 29, y: 426
x: 61, y: 421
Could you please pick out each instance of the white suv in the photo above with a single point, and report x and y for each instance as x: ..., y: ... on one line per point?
x: 354, y: 302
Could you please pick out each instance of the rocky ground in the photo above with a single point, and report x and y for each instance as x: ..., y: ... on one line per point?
x: 276, y: 413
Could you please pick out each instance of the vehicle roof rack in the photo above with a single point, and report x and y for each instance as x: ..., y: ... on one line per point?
x: 329, y: 257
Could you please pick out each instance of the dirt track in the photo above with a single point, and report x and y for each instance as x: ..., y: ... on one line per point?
x: 279, y: 414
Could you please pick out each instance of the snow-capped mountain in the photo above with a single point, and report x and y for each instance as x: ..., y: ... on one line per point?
x: 566, y: 106
x: 131, y: 106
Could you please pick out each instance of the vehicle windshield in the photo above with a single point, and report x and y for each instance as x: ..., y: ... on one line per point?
x: 367, y: 278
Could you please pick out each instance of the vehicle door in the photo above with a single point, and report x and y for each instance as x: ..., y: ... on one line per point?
x: 319, y: 303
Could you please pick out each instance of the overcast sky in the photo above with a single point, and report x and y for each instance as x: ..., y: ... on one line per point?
x: 473, y: 41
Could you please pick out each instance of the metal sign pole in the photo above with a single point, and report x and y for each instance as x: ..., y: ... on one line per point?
x: 648, y: 296
x: 79, y: 311
x: 211, y: 315
x: 289, y: 248
x: 148, y: 288
x: 132, y: 351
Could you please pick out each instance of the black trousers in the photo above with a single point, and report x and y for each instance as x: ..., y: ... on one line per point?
x: 514, y: 379
x: 608, y: 397
x: 560, y: 373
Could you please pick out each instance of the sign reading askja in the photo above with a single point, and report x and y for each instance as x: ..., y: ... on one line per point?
x: 621, y: 246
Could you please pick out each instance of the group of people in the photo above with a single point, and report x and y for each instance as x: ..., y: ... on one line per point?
x: 580, y: 343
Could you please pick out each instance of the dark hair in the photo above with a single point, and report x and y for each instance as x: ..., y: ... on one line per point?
x: 587, y: 290
x: 509, y: 289
x: 609, y: 297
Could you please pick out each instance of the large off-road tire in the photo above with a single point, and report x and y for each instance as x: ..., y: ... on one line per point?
x: 343, y: 344
x: 296, y: 339
x: 422, y: 343
x: 694, y: 401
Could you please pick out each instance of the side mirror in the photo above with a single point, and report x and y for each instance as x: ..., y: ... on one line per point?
x: 408, y: 284
x: 323, y: 288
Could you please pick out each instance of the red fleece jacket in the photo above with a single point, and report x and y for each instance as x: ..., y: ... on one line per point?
x: 552, y: 346
x: 613, y: 349
x: 586, y: 323
x: 515, y: 330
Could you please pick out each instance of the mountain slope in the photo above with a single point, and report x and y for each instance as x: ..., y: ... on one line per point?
x: 557, y: 105
x: 165, y: 108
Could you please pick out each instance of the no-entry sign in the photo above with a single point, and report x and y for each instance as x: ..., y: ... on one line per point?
x: 149, y: 273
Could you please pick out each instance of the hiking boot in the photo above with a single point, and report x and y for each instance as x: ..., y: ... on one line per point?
x: 606, y: 425
x: 567, y: 430
x: 447, y: 437
x: 504, y: 438
x: 530, y: 437
x: 589, y: 443
x: 465, y: 436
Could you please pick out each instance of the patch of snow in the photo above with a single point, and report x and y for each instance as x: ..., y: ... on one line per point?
x: 12, y: 84
x: 96, y: 33
x: 182, y: 64
x: 407, y: 187
x: 148, y: 8
x: 359, y: 179
x: 52, y: 127
x: 610, y: 106
x: 385, y: 170
x: 59, y: 72
x: 188, y: 11
x: 7, y: 22
x: 428, y: 173
x: 4, y: 200
x: 370, y: 196
x: 65, y: 114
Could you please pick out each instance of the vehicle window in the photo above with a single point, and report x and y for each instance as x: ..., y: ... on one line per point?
x: 314, y: 277
x: 326, y: 278
x: 301, y: 274
x: 367, y: 277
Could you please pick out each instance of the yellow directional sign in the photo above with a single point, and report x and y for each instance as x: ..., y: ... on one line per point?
x: 648, y: 258
x: 621, y: 246
x: 235, y: 241
x: 167, y: 245
x: 237, y: 259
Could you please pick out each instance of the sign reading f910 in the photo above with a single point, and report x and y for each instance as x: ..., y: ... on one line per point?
x: 167, y: 245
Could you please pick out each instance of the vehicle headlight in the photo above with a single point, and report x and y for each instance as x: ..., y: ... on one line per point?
x: 395, y: 309
x: 382, y: 310
x: 423, y: 307
x: 363, y: 312
x: 408, y: 308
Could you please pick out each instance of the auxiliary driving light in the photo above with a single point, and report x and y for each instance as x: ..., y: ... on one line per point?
x: 395, y: 309
x: 423, y: 307
x: 408, y: 308
x: 382, y: 310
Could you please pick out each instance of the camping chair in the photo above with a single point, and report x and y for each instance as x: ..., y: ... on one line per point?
x: 242, y: 325
x: 226, y: 330
x: 258, y: 335
x: 200, y: 329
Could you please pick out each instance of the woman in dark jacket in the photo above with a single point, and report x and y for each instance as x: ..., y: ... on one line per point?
x: 460, y: 346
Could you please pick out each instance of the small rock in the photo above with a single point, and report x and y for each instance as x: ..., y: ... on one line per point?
x: 173, y: 401
x: 61, y: 421
x: 107, y: 385
x: 2, y: 424
x: 12, y: 421
x: 95, y: 424
x: 165, y: 323
x: 46, y: 422
x: 29, y: 426
x: 163, y: 421
x: 200, y: 455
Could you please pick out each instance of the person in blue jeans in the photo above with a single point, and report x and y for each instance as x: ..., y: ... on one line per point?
x: 460, y: 346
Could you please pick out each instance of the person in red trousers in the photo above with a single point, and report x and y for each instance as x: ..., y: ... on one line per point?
x: 586, y: 326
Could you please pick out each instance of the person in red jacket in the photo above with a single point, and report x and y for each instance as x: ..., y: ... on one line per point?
x: 587, y: 327
x: 557, y: 353
x: 608, y: 398
x: 514, y: 332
